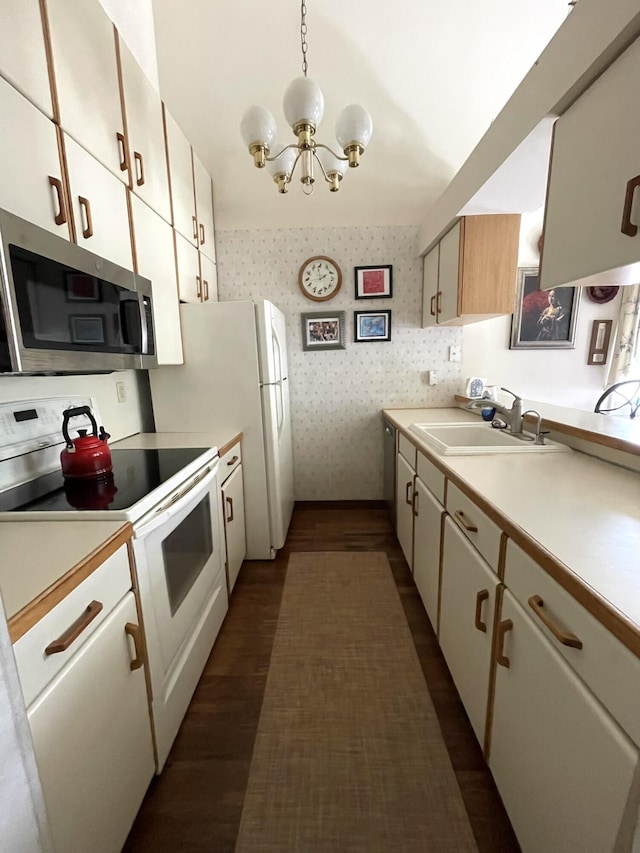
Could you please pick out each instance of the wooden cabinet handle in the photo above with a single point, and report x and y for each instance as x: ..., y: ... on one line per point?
x: 407, y: 495
x: 627, y: 226
x: 73, y: 631
x: 565, y: 637
x: 139, y: 172
x: 468, y: 526
x: 503, y: 628
x: 205, y: 285
x: 132, y: 630
x: 438, y: 306
x: 198, y: 287
x: 61, y: 216
x: 415, y: 504
x: 432, y: 309
x: 123, y: 152
x: 195, y: 228
x: 233, y: 460
x: 481, y: 597
x: 202, y: 240
x: 230, y: 502
x: 85, y: 206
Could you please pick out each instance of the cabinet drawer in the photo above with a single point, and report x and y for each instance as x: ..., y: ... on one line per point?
x: 230, y: 460
x: 407, y: 450
x: 610, y: 670
x: 431, y: 476
x: 479, y: 529
x: 107, y: 585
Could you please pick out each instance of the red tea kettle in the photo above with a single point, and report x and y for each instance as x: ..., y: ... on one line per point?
x: 87, y: 455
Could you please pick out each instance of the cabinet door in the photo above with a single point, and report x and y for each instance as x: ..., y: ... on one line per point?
x: 156, y: 261
x: 204, y: 206
x: 209, y: 274
x: 467, y: 605
x: 404, y: 507
x: 23, y: 61
x: 447, y: 300
x: 590, y: 172
x: 426, y: 549
x: 86, y: 76
x: 181, y: 177
x: 430, y: 287
x: 99, y: 203
x: 26, y: 187
x: 189, y: 281
x: 562, y: 766
x: 145, y: 130
x: 92, y: 740
x: 234, y: 525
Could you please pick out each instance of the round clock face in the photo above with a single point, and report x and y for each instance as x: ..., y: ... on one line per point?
x: 320, y: 278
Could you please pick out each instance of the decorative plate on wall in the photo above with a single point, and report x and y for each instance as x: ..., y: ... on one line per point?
x: 602, y: 294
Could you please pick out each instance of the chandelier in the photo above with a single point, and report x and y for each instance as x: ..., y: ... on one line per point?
x: 303, y: 108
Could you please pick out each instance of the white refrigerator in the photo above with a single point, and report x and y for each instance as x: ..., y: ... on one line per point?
x: 234, y: 379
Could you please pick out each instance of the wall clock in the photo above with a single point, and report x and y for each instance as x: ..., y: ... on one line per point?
x: 320, y: 278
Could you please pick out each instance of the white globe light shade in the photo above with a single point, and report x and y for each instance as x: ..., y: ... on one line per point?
x: 258, y: 125
x: 331, y: 163
x: 354, y: 125
x: 303, y: 102
x: 284, y: 163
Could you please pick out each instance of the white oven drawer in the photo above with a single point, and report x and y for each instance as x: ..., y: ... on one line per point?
x: 106, y: 585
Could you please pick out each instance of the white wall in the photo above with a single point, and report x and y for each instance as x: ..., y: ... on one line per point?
x: 560, y: 376
x: 337, y: 396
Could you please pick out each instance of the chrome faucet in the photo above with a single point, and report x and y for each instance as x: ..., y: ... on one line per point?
x: 512, y: 416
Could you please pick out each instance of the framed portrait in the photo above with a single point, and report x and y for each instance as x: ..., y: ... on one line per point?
x: 374, y: 282
x: 543, y: 319
x: 323, y: 330
x: 86, y: 329
x: 372, y: 326
x: 82, y: 287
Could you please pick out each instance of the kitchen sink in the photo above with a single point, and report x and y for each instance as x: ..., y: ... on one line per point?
x: 463, y: 439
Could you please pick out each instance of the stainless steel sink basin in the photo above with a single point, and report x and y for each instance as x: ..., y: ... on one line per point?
x: 462, y: 439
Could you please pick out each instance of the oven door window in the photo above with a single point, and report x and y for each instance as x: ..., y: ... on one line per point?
x: 186, y: 551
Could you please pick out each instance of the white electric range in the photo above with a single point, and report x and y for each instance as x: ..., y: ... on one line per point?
x: 171, y: 496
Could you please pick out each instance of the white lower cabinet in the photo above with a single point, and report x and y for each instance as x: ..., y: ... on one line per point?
x: 92, y: 739
x: 405, y: 474
x: 562, y: 765
x: 467, y: 606
x: 234, y: 524
x: 426, y: 555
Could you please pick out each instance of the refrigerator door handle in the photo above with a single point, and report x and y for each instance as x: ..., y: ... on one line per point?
x: 277, y: 351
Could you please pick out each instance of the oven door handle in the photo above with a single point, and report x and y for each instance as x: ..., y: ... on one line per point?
x: 187, y: 495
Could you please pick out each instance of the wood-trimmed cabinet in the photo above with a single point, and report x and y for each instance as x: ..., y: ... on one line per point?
x: 470, y: 274
x: 428, y: 511
x: 232, y: 497
x: 405, y: 480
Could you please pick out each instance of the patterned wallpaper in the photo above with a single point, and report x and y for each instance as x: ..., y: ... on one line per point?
x: 337, y: 395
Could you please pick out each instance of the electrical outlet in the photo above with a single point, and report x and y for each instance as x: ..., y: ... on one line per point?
x: 121, y: 391
x: 454, y: 353
x: 433, y: 377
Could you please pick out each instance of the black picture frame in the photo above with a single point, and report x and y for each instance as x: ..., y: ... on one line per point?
x: 87, y: 329
x: 371, y: 326
x: 81, y: 287
x: 374, y: 282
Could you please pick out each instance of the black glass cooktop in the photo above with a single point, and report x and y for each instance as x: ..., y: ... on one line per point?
x: 135, y: 474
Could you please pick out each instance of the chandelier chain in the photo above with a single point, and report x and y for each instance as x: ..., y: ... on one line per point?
x: 303, y: 36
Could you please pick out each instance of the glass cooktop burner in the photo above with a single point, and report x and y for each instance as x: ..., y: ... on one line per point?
x: 135, y: 474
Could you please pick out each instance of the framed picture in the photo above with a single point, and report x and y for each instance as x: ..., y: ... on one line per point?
x: 82, y: 287
x: 86, y: 329
x: 543, y: 319
x: 323, y: 330
x: 372, y: 326
x: 374, y: 282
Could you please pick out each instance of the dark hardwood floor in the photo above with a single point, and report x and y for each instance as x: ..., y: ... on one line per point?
x: 196, y: 804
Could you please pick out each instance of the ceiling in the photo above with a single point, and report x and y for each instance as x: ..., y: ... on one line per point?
x: 432, y: 73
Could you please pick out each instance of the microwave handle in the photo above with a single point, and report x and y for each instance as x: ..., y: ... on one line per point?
x: 144, y: 332
x: 186, y: 495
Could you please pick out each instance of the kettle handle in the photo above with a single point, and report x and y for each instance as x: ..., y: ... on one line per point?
x: 74, y: 413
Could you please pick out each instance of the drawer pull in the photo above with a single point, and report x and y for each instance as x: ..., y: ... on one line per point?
x: 415, y: 504
x: 205, y: 285
x: 85, y: 205
x: 195, y: 228
x: 407, y: 496
x: 233, y: 460
x: 137, y: 156
x: 438, y: 306
x: 468, y: 526
x: 627, y: 226
x: 565, y: 637
x: 61, y: 216
x: 132, y: 630
x: 481, y: 597
x: 432, y: 308
x: 73, y: 631
x: 503, y: 628
x: 202, y: 240
x: 123, y: 152
x: 230, y: 516
x: 198, y: 287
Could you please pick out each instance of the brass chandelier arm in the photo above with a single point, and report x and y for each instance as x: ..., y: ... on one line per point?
x: 331, y: 151
x: 280, y: 153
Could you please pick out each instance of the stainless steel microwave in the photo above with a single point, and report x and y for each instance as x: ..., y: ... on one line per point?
x: 64, y: 309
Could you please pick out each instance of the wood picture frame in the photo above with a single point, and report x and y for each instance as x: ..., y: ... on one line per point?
x: 599, y: 343
x: 543, y: 319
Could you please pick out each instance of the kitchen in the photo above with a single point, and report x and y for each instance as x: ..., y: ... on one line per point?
x: 250, y: 262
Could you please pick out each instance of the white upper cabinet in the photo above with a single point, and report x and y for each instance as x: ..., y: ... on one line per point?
x: 209, y: 279
x: 181, y: 176
x: 430, y: 287
x: 23, y: 60
x: 156, y: 261
x: 145, y: 132
x: 449, y: 267
x: 30, y: 187
x: 99, y: 204
x: 592, y: 219
x: 204, y: 208
x: 188, y: 263
x: 86, y: 76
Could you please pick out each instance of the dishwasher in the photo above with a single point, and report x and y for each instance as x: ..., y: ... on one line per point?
x: 389, y: 476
